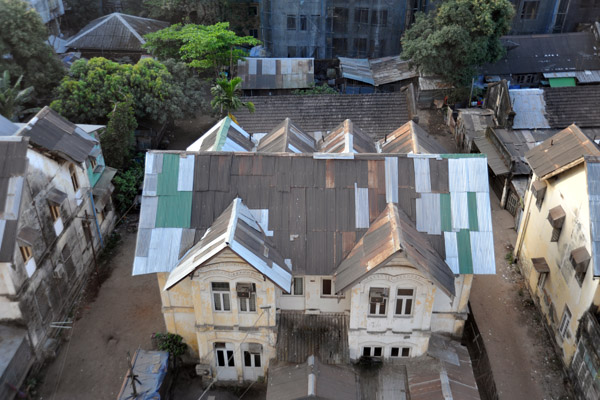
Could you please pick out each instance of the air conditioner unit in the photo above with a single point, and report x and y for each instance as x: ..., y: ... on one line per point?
x: 245, y: 289
x: 378, y: 295
x: 203, y: 370
x: 59, y: 272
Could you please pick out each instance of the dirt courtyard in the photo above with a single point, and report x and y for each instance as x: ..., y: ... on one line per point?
x: 127, y: 310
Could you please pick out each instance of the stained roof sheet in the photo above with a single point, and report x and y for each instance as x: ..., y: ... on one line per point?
x: 567, y: 148
x: 376, y: 71
x: 576, y: 51
x: 13, y: 166
x: 52, y: 132
x: 410, y: 138
x: 530, y: 108
x: 495, y: 159
x: 276, y: 73
x: 316, y: 207
x: 225, y: 135
x: 115, y: 31
x: 347, y: 138
x: 286, y: 138
x: 593, y: 183
x: 322, y: 113
x: 578, y: 105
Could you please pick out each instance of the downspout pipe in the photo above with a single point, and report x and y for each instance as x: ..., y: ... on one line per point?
x: 96, y: 219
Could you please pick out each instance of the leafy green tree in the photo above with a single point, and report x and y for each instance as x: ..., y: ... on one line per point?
x: 23, y: 47
x: 88, y: 93
x: 118, y: 139
x: 204, y: 47
x: 226, y: 96
x: 318, y: 89
x: 13, y: 99
x: 459, y: 36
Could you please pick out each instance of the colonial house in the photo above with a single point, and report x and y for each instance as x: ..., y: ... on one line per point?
x: 558, y: 248
x: 65, y: 209
x: 336, y: 251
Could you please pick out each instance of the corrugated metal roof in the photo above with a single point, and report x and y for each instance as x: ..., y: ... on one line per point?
x: 410, y: 138
x: 7, y: 128
x: 314, y: 207
x: 225, y: 135
x: 573, y: 105
x: 377, y: 71
x: 530, y: 108
x: 561, y: 52
x: 286, y: 138
x: 593, y: 183
x: 494, y: 158
x: 332, y: 382
x: 323, y: 113
x: 323, y: 335
x: 566, y: 148
x: 276, y: 73
x: 357, y: 69
x: 52, y: 132
x: 347, y: 138
x: 13, y: 167
x: 115, y: 31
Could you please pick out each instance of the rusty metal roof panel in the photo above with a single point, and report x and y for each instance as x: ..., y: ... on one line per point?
x: 573, y: 105
x: 286, y: 138
x: 276, y: 73
x: 52, y: 132
x: 410, y: 138
x: 494, y: 158
x: 225, y: 135
x: 347, y: 138
x: 117, y: 32
x: 377, y: 71
x: 530, y: 108
x: 564, y: 149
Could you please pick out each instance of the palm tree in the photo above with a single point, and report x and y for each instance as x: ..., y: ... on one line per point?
x: 226, y: 96
x: 12, y: 99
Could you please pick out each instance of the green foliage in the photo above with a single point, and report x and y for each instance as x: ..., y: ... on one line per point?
x: 195, y: 11
x: 118, y: 139
x: 320, y: 89
x: 88, y: 93
x: 23, y: 47
x: 226, y: 96
x: 458, y: 37
x: 13, y: 99
x: 200, y: 46
x: 171, y: 342
x: 127, y: 183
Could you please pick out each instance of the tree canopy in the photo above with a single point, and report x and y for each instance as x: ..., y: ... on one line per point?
x: 13, y: 98
x: 203, y: 47
x: 24, y: 49
x: 226, y: 96
x: 459, y: 36
x: 90, y: 91
x: 118, y: 139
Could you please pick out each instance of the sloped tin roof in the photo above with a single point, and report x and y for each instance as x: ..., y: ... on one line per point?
x: 316, y: 207
x: 287, y: 138
x: 593, y: 181
x: 410, y: 138
x: 13, y: 167
x: 347, y: 138
x: 225, y: 135
x: 115, y: 31
x: 377, y: 71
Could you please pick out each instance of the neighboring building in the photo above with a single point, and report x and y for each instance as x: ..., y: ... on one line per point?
x: 244, y: 17
x: 560, y: 59
x: 387, y: 74
x: 471, y: 124
x: 319, y: 114
x: 50, y: 11
x: 375, y: 251
x: 267, y: 76
x: 558, y: 245
x: 336, y: 28
x: 553, y: 16
x: 114, y: 36
x: 65, y: 208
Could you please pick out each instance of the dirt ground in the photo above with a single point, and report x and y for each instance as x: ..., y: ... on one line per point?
x: 524, y: 363
x: 92, y: 361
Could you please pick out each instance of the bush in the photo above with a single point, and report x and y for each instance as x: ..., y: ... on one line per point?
x: 127, y: 183
x: 171, y: 342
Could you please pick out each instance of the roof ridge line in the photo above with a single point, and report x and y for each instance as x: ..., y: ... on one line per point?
x: 232, y: 222
x: 130, y: 28
x: 106, y: 19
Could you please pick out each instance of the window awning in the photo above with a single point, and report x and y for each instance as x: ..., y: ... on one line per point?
x: 556, y: 216
x: 540, y: 265
x: 539, y: 188
x: 26, y: 235
x: 56, y: 196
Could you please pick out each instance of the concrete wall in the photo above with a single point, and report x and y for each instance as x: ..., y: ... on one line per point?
x: 561, y: 288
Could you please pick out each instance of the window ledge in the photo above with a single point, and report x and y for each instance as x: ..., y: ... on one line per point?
x: 376, y: 316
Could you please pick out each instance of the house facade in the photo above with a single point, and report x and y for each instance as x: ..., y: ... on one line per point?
x: 557, y: 244
x: 65, y: 209
x: 335, y: 251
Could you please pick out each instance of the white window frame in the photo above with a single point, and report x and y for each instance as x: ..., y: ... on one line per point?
x: 295, y: 280
x: 542, y: 281
x: 378, y: 306
x: 248, y: 303
x: 228, y: 356
x: 372, y: 349
x: 332, y: 294
x: 400, y: 351
x: 221, y: 294
x: 253, y: 357
x: 565, y: 321
x: 402, y: 299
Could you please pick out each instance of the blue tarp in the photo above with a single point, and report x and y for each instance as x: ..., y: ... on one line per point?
x: 151, y: 369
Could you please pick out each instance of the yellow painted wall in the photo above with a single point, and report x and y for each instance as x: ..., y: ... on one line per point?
x: 568, y: 190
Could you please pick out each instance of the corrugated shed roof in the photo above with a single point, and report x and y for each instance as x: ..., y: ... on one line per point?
x: 565, y: 149
x: 576, y: 51
x: 331, y: 382
x: 237, y: 230
x: 276, y: 73
x: 115, y: 31
x: 318, y: 207
x: 495, y: 160
x: 322, y: 113
x: 323, y: 335
x: 390, y: 234
x: 225, y: 135
x: 593, y: 183
x: 13, y: 167
x: 520, y: 141
x: 347, y: 138
x: 578, y: 105
x: 530, y: 108
x: 52, y: 132
x: 357, y: 69
x: 410, y: 138
x: 286, y: 138
x: 7, y: 128
x: 377, y: 71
